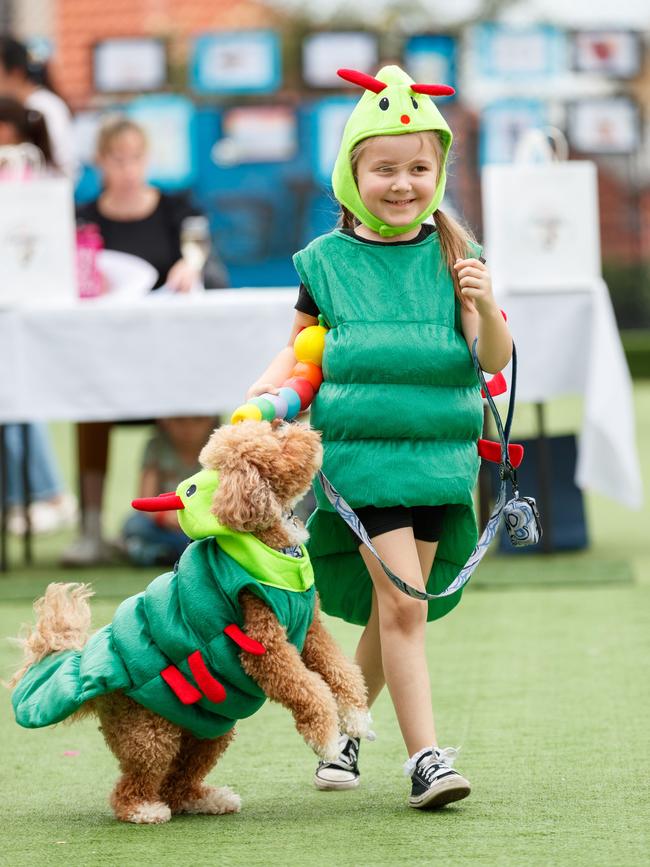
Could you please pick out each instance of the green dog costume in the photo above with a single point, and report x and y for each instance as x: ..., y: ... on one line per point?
x: 175, y: 647
x: 400, y: 408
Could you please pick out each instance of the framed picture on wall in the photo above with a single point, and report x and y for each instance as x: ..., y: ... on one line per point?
x: 324, y: 53
x: 431, y: 59
x: 236, y: 62
x: 609, y: 52
x: 604, y: 126
x: 504, y: 51
x: 168, y: 121
x: 502, y: 125
x: 256, y: 134
x: 328, y: 116
x: 129, y: 65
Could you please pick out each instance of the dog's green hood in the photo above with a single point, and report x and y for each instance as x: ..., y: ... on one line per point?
x: 384, y: 113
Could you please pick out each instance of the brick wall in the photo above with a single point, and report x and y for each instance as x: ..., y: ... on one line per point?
x: 78, y: 24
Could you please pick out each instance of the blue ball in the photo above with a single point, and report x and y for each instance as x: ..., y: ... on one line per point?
x: 293, y: 401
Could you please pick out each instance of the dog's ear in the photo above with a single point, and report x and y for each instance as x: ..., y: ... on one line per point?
x: 244, y: 500
x: 301, y: 446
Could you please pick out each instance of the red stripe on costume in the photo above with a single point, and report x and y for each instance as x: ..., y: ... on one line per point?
x: 491, y: 451
x: 242, y: 640
x: 209, y: 686
x: 180, y: 686
x: 497, y: 385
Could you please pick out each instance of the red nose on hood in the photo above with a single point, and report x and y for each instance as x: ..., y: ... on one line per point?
x: 161, y: 503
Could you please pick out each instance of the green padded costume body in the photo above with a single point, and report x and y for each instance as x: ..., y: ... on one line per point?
x: 399, y: 408
x: 179, y: 613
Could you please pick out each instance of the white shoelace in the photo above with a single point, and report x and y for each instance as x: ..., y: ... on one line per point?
x: 343, y: 761
x: 446, y: 757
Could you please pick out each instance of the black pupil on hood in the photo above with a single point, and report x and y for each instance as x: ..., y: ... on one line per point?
x: 415, y: 105
x: 191, y: 490
x: 384, y: 103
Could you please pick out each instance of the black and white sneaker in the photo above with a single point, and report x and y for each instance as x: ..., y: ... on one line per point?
x: 434, y: 782
x: 342, y: 773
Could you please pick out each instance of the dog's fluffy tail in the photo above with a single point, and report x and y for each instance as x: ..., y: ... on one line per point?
x: 62, y: 623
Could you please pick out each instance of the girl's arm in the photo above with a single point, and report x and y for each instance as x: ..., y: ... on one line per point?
x: 484, y: 320
x: 281, y: 366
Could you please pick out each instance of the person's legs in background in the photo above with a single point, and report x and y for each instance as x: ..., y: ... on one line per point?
x: 92, y: 446
x: 147, y: 543
x: 52, y: 508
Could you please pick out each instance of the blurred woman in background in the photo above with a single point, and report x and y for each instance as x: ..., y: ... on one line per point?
x: 137, y: 218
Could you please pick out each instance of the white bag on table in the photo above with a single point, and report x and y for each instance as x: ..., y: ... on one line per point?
x: 37, y: 232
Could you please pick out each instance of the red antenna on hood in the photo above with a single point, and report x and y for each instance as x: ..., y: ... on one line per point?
x: 361, y: 79
x: 433, y: 89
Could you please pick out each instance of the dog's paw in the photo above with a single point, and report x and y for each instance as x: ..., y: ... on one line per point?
x: 356, y: 722
x: 214, y: 802
x: 328, y: 752
x: 149, y: 813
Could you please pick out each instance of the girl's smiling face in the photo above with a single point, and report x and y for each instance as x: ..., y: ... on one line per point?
x: 397, y: 176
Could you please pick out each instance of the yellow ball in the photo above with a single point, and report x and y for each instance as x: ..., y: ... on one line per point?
x: 247, y: 412
x: 310, y: 343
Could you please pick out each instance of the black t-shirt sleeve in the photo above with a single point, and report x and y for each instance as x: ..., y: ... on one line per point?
x: 305, y: 303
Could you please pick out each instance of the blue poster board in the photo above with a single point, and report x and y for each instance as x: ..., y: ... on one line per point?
x: 509, y: 53
x: 431, y: 59
x: 502, y: 124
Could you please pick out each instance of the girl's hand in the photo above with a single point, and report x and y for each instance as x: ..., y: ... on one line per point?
x: 476, y: 284
x: 181, y: 277
x: 259, y: 388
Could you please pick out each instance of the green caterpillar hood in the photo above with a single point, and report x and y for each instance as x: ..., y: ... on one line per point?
x: 388, y: 108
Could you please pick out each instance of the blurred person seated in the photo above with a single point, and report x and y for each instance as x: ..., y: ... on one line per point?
x: 171, y: 455
x: 27, y: 80
x: 137, y: 218
x: 51, y: 508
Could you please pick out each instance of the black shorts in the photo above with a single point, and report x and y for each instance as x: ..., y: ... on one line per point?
x: 426, y: 521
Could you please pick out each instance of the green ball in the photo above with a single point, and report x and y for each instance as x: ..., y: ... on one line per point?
x: 265, y: 407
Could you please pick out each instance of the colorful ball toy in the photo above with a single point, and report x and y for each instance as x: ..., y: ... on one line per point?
x: 296, y: 392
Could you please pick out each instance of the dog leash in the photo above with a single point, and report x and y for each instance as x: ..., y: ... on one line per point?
x: 506, y: 471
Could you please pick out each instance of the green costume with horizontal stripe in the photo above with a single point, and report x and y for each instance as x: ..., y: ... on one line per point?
x: 178, y: 613
x: 400, y: 407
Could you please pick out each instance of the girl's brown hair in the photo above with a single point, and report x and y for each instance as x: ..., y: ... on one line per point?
x: 29, y: 126
x: 455, y: 240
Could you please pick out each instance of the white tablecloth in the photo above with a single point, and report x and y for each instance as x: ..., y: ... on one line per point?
x: 568, y: 343
x: 148, y: 357
x: 170, y: 355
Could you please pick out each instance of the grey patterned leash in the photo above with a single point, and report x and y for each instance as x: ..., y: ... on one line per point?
x: 506, y: 471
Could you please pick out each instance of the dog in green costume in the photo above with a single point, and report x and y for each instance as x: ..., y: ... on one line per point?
x: 204, y: 645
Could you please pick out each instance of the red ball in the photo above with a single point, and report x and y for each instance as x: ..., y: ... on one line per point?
x: 309, y: 371
x: 303, y: 388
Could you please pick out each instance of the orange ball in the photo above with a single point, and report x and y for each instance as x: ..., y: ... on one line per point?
x: 309, y: 371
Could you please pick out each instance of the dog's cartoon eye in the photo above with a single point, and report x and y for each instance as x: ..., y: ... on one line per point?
x: 415, y: 105
x: 190, y: 491
x: 384, y: 103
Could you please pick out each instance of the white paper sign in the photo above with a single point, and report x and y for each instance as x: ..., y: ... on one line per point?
x: 540, y: 225
x: 37, y: 242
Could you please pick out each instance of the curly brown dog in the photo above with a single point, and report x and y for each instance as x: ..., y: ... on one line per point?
x: 262, y: 471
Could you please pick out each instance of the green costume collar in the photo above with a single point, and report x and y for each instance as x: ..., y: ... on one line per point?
x: 379, y: 114
x: 265, y: 564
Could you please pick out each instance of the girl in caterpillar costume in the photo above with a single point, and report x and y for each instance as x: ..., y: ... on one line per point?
x: 400, y: 407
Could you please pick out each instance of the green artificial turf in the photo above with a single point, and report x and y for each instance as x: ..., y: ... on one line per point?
x: 541, y: 675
